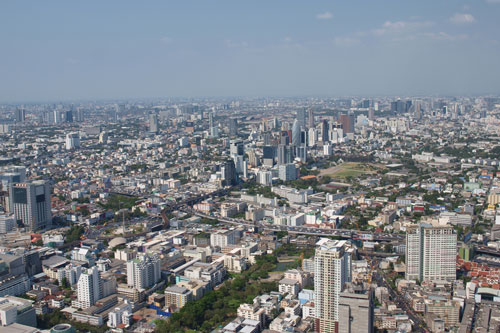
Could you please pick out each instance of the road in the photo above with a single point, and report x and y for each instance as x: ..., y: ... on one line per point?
x: 344, y: 233
x: 419, y: 323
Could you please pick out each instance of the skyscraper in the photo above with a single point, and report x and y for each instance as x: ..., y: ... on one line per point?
x: 143, y: 271
x: 228, y: 171
x: 69, y: 116
x: 233, y: 127
x: 431, y: 253
x: 332, y: 269
x: 347, y: 121
x: 20, y: 115
x: 324, y: 131
x: 153, y: 123
x: 296, y: 133
x: 310, y: 118
x: 89, y: 288
x: 301, y: 117
x: 30, y: 203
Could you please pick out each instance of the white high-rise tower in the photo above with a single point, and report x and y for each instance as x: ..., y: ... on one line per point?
x: 332, y: 269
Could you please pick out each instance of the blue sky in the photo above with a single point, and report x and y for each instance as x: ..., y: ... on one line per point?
x: 65, y: 50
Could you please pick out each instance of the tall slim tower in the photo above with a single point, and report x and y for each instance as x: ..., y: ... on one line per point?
x: 332, y: 269
x: 301, y: 117
x: 431, y: 253
x: 310, y: 118
x: 153, y: 123
x: 30, y: 203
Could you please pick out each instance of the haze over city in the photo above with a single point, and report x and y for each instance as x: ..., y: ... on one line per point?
x: 60, y: 50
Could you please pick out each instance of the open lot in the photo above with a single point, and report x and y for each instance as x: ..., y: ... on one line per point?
x: 349, y: 169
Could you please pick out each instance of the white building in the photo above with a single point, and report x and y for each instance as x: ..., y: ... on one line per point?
x: 121, y: 314
x: 287, y: 172
x: 143, y: 271
x: 72, y: 141
x: 7, y: 223
x: 431, y: 253
x: 89, y: 288
x: 332, y: 264
x: 265, y: 177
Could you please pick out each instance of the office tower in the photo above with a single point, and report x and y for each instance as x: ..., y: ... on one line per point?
x: 287, y: 172
x: 301, y: 117
x: 239, y: 161
x: 253, y: 159
x: 365, y: 104
x: 324, y: 131
x: 296, y: 133
x: 228, y: 171
x: 284, y: 138
x: 347, y: 121
x: 431, y: 253
x: 30, y: 203
x: 72, y: 141
x: 358, y: 307
x: 301, y: 152
x: 269, y: 153
x: 276, y: 123
x: 371, y: 114
x: 143, y: 271
x: 310, y: 118
x: 332, y: 269
x: 312, y: 137
x: 210, y: 120
x: 69, y: 116
x: 153, y: 123
x: 265, y: 177
x: 303, y: 136
x: 89, y: 288
x: 20, y: 115
x: 281, y: 154
x: 79, y: 115
x: 267, y: 139
x: 233, y: 127
x: 236, y: 148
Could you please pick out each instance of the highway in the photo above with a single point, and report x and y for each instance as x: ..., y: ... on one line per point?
x: 302, y: 230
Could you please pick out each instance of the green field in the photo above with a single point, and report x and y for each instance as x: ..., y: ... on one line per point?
x: 349, y: 169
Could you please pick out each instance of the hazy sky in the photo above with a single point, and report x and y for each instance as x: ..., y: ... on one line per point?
x: 62, y: 50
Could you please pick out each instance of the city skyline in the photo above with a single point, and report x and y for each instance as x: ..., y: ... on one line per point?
x: 123, y: 50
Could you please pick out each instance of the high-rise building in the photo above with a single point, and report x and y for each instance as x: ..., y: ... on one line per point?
x: 69, y: 116
x: 301, y: 117
x: 30, y: 203
x: 310, y: 118
x: 72, y: 141
x: 153, y: 123
x: 347, y: 121
x: 233, y: 127
x: 20, y: 115
x: 281, y: 152
x: 332, y: 269
x: 236, y: 148
x: 143, y: 271
x: 228, y: 171
x: 324, y: 131
x: 312, y: 137
x: 287, y: 172
x: 89, y: 288
x: 431, y: 253
x: 296, y: 133
x: 358, y: 307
